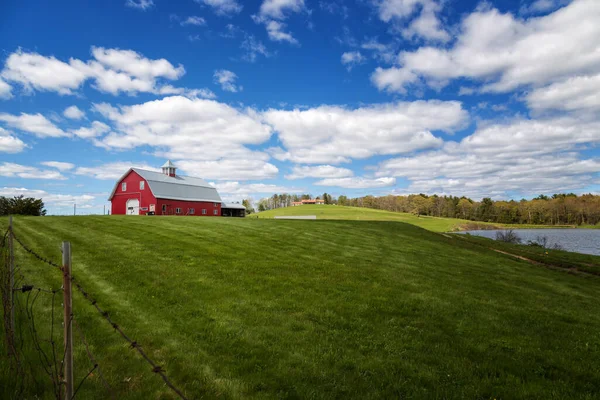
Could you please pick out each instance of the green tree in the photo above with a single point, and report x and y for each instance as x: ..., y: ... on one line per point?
x: 263, y: 205
x: 248, y: 204
x: 21, y: 205
x: 486, y: 209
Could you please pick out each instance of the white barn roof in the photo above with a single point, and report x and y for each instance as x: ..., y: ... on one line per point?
x: 175, y: 187
x: 233, y: 205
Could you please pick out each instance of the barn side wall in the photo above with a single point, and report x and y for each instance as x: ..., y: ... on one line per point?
x: 145, y: 196
x: 172, y: 205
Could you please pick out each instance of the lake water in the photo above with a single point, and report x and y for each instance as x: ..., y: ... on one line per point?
x: 585, y: 241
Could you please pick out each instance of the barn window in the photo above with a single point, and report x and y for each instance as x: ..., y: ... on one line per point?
x: 204, y: 211
x: 164, y: 208
x: 191, y: 211
x: 178, y: 210
x: 216, y: 204
x: 124, y: 186
x: 141, y: 185
x: 215, y: 212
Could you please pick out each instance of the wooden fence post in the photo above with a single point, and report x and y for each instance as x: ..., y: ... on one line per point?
x: 11, y: 297
x: 68, y: 320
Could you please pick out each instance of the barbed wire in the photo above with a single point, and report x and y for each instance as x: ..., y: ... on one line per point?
x: 92, y: 359
x: 49, y: 363
x: 29, y: 288
x: 133, y: 344
x: 83, y: 380
x: 4, y: 237
x: 33, y: 253
x: 157, y: 369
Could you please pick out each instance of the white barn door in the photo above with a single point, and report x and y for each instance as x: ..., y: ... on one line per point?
x: 133, y: 207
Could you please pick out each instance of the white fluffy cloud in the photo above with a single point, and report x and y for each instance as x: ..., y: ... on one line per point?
x: 383, y: 52
x: 277, y: 33
x: 523, y: 157
x: 318, y: 171
x: 241, y: 189
x: 192, y: 93
x: 229, y: 169
x: 36, y: 124
x: 96, y: 129
x: 136, y: 65
x: 49, y: 199
x: 73, y: 112
x: 579, y: 93
x: 205, y: 137
x: 227, y: 80
x: 111, y: 71
x: 222, y: 7
x: 10, y: 143
x: 112, y: 171
x: 425, y: 25
x: 140, y: 4
x: 505, y: 52
x: 272, y: 14
x: 5, y: 90
x: 542, y: 6
x: 182, y: 123
x: 36, y: 72
x: 59, y: 165
x: 352, y: 58
x: 278, y: 9
x: 12, y: 170
x: 193, y: 20
x: 235, y: 191
x: 358, y: 182
x: 333, y: 134
x: 253, y: 48
x: 506, y: 178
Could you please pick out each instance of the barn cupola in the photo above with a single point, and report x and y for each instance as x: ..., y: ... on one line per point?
x: 168, y: 168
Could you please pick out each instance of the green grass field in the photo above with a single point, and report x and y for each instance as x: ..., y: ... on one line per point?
x: 263, y: 308
x: 434, y: 224
x: 366, y: 214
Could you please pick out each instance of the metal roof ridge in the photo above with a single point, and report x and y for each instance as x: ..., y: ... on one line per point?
x: 183, y: 176
x: 209, y: 186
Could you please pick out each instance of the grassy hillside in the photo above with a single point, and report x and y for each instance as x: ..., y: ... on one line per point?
x: 368, y: 214
x: 434, y: 224
x: 259, y: 308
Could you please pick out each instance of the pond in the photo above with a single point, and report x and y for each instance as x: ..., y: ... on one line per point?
x: 586, y: 241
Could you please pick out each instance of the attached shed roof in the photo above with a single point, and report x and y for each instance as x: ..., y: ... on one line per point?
x: 233, y: 205
x: 176, y: 187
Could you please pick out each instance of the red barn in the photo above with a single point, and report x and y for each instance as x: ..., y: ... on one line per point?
x: 140, y: 192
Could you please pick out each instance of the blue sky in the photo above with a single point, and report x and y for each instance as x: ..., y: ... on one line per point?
x: 496, y: 98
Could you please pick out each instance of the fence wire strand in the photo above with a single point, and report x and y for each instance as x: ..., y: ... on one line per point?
x: 155, y: 367
x: 33, y: 253
x: 93, y: 360
x: 51, y: 368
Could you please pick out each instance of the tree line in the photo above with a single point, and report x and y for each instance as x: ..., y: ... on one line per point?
x: 21, y: 205
x: 558, y: 209
x: 285, y: 200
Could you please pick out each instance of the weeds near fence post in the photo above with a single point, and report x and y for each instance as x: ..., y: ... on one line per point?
x: 68, y: 320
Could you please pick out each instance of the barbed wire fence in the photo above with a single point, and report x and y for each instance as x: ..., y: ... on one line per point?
x: 37, y: 352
